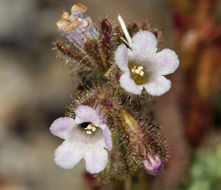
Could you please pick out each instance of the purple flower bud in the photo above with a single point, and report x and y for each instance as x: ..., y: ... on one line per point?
x: 138, y: 145
x: 77, y: 27
x: 152, y: 163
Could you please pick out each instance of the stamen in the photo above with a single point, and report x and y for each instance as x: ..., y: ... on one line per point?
x: 138, y: 73
x: 88, y: 132
x: 139, y: 70
x: 88, y: 127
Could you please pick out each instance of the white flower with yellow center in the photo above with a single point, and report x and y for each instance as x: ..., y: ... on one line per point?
x: 142, y: 65
x: 87, y: 136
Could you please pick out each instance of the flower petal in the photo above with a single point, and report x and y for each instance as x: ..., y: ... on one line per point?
x: 129, y: 85
x: 121, y: 57
x: 67, y: 155
x: 87, y: 114
x: 61, y: 126
x: 152, y: 164
x: 144, y: 42
x: 96, y: 158
x: 107, y: 138
x: 158, y: 86
x: 166, y: 62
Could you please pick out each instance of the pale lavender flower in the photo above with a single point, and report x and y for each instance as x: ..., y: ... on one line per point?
x: 142, y: 65
x: 87, y: 136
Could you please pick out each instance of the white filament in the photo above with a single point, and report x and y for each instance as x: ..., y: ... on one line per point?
x: 126, y: 33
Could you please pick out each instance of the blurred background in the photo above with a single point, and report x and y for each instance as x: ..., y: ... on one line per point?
x: 35, y: 89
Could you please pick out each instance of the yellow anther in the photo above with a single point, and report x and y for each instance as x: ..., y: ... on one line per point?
x: 138, y: 73
x: 90, y: 129
x: 89, y: 132
x: 141, y: 73
x: 138, y: 70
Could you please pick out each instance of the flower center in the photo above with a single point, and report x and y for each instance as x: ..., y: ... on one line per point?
x: 88, y: 127
x: 138, y: 73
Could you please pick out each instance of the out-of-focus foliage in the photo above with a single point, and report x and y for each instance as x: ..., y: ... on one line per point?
x: 197, y: 35
x: 205, y: 171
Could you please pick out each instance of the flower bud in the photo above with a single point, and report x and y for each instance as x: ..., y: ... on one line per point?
x: 77, y: 27
x: 142, y: 146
